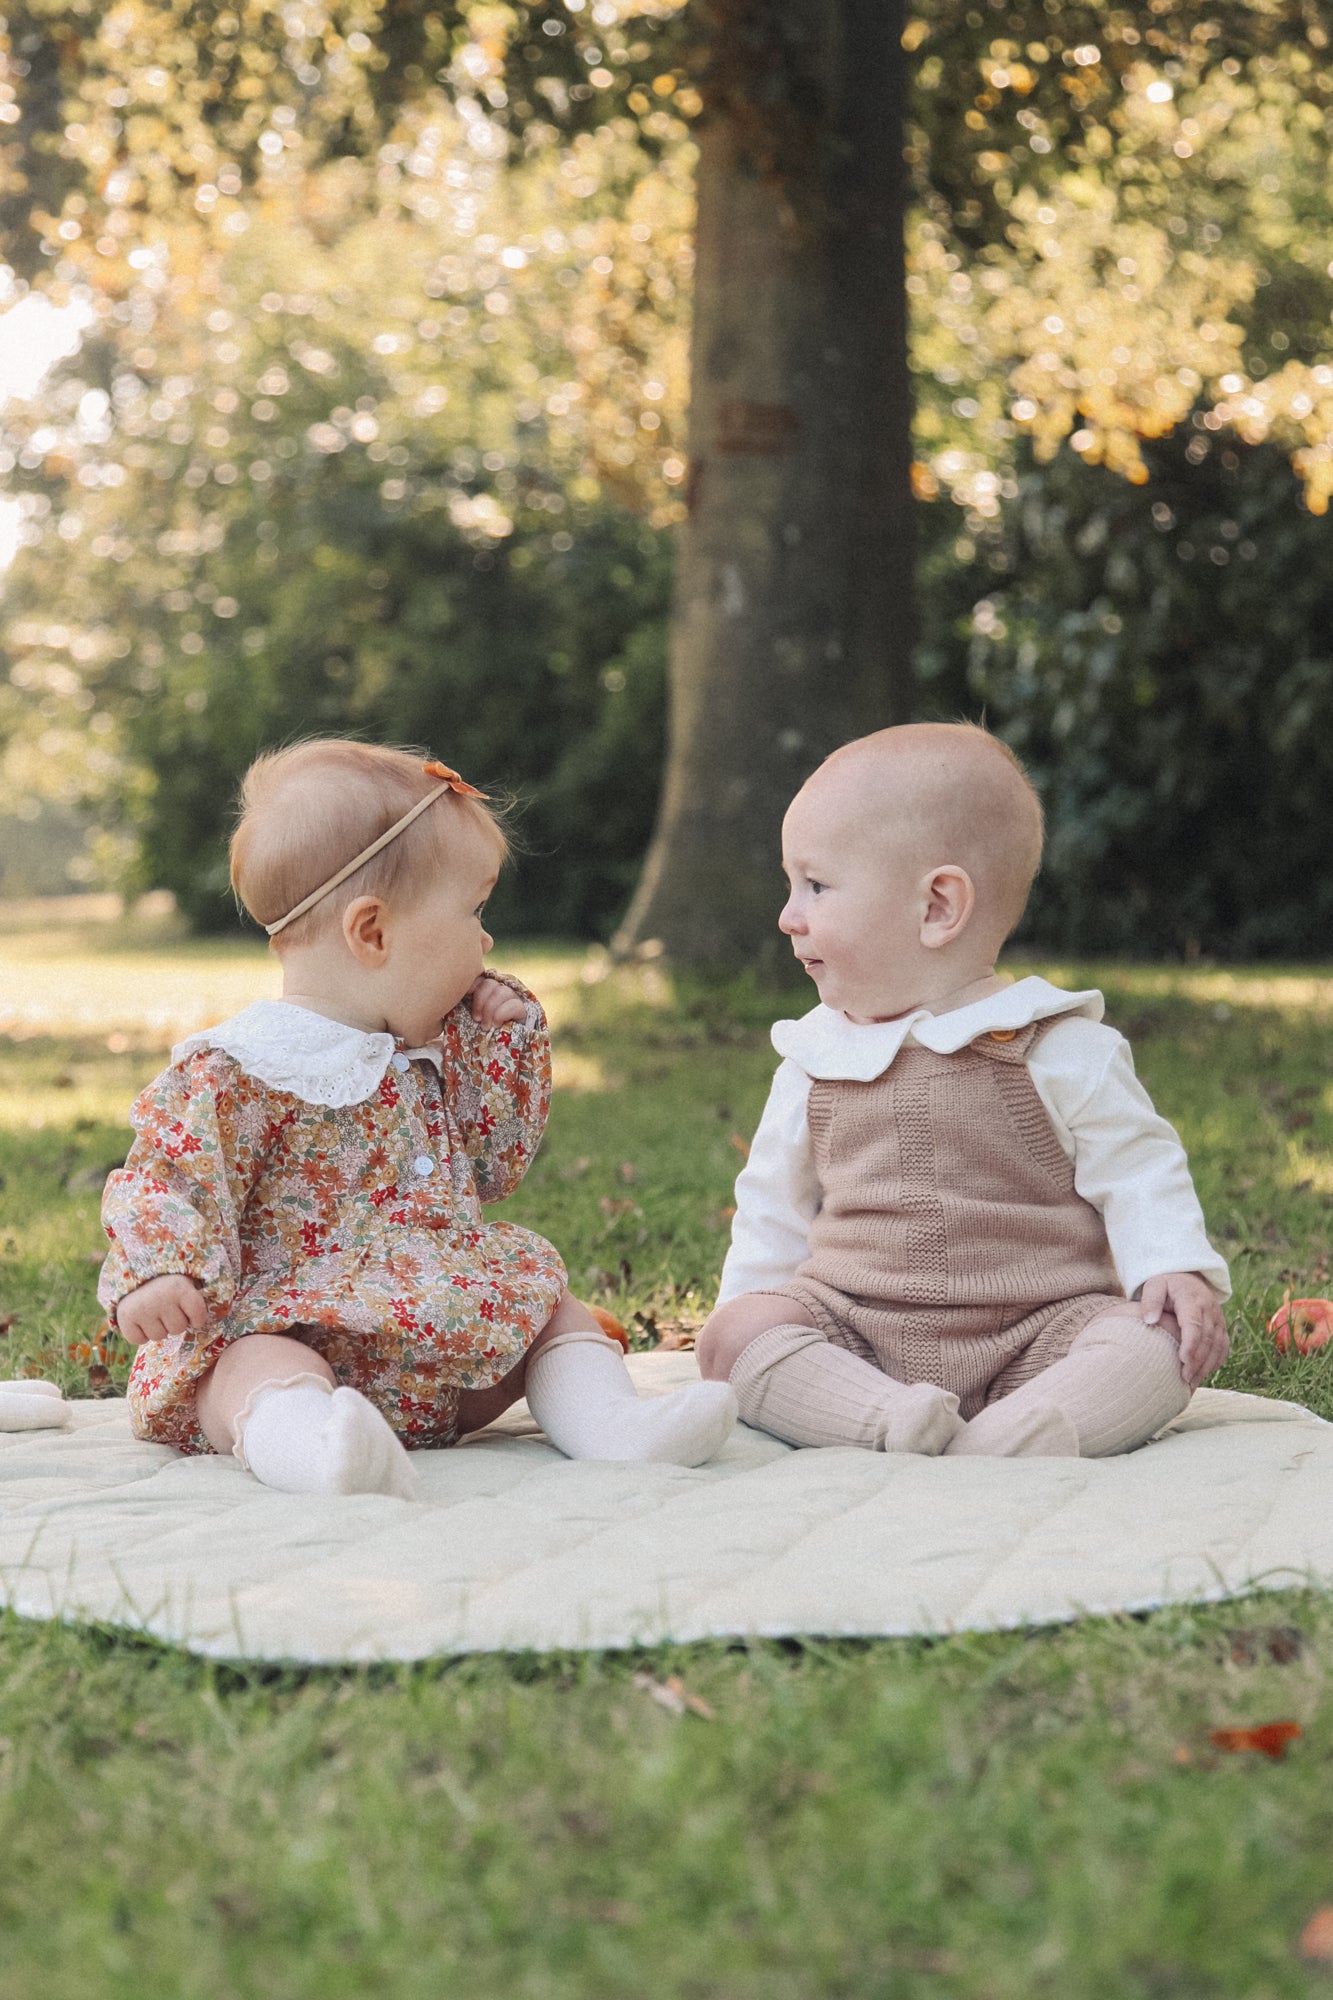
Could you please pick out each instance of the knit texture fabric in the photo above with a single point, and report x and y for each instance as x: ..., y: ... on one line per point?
x: 794, y: 1383
x: 951, y: 1245
x: 1118, y: 1386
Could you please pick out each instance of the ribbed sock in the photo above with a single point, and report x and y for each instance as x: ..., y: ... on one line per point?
x: 581, y: 1393
x: 304, y: 1437
x: 793, y: 1383
x: 1118, y: 1385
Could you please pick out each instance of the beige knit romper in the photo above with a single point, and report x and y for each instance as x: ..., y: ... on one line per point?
x: 951, y: 1245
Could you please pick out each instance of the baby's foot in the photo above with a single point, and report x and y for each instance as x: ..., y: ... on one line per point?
x: 999, y: 1432
x: 32, y: 1406
x: 922, y: 1418
x: 581, y: 1393
x: 687, y: 1427
x: 303, y: 1437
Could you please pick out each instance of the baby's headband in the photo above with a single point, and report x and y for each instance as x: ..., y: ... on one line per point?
x: 449, y: 782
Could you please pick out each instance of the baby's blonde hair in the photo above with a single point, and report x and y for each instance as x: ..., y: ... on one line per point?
x: 307, y: 810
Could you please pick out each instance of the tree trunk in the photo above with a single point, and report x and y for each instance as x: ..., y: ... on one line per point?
x: 792, y: 621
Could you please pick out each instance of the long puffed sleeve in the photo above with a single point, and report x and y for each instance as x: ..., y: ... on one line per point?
x: 777, y: 1194
x: 1128, y: 1162
x: 201, y: 1133
x: 497, y: 1083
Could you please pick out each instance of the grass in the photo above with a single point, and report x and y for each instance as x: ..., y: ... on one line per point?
x: 984, y: 1817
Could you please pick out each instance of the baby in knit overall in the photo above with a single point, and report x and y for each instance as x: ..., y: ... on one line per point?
x: 962, y: 1228
x: 298, y: 1244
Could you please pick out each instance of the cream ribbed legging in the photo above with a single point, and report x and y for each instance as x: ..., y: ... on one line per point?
x: 1119, y: 1384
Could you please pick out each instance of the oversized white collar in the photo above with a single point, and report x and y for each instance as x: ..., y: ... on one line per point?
x: 289, y: 1048
x: 825, y: 1044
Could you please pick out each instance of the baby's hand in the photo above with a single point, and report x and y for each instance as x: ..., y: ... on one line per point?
x: 495, y: 1005
x: 163, y: 1306
x: 1203, y: 1332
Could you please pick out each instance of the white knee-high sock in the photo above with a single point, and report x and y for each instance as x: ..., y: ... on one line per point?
x: 793, y: 1383
x: 303, y: 1436
x: 581, y: 1393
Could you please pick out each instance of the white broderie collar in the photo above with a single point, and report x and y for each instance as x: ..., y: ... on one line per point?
x: 289, y: 1048
x: 825, y: 1044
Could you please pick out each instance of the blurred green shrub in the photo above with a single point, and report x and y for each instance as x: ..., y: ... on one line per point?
x: 1161, y: 656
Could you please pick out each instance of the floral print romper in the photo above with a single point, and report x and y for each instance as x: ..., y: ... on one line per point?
x: 325, y: 1183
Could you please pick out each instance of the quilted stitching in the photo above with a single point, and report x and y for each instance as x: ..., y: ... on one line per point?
x: 516, y: 1548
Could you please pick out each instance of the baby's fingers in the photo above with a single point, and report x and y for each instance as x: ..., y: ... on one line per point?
x: 1203, y: 1345
x: 193, y: 1307
x: 1153, y: 1299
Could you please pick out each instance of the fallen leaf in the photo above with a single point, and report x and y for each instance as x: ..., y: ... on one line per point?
x: 1182, y: 1754
x: 1269, y: 1738
x: 1281, y: 1643
x: 1317, y: 1937
x: 8, y: 1323
x: 673, y: 1695
x: 676, y: 1336
x: 742, y: 1146
x: 609, y: 1206
x: 628, y: 1171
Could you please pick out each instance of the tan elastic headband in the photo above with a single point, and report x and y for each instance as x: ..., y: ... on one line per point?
x: 449, y: 782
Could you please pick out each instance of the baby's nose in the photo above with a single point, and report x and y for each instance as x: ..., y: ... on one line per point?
x: 486, y: 940
x: 788, y: 921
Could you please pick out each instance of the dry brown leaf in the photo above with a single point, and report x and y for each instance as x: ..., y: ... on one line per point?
x: 610, y: 1206
x: 676, y: 1336
x: 628, y: 1171
x: 8, y: 1323
x: 673, y: 1695
x: 742, y: 1146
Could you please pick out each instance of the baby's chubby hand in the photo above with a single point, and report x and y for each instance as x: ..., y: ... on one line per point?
x: 1204, y: 1345
x: 495, y: 1005
x: 162, y: 1307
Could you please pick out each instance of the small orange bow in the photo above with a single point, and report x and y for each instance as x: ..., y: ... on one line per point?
x: 453, y: 781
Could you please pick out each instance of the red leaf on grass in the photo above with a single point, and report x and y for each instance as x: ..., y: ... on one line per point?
x: 1270, y: 1738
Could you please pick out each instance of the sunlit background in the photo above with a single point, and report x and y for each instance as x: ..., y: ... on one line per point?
x: 350, y: 392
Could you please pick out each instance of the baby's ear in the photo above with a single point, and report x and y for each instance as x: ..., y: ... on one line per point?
x: 950, y: 898
x: 363, y: 930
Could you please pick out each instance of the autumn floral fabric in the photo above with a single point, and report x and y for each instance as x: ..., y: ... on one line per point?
x: 357, y: 1229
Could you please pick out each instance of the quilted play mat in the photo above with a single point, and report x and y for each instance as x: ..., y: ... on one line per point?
x: 513, y: 1547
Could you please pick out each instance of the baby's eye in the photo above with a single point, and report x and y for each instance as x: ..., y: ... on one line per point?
x: 817, y: 888
x: 479, y: 912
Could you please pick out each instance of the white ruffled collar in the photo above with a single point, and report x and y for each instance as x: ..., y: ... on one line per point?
x: 289, y: 1048
x: 826, y: 1045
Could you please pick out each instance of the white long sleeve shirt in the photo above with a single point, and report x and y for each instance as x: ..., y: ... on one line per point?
x: 1128, y: 1162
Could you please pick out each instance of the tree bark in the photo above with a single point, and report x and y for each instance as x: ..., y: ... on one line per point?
x: 792, y: 624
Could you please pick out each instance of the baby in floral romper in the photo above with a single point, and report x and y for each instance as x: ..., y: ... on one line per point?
x: 298, y: 1245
